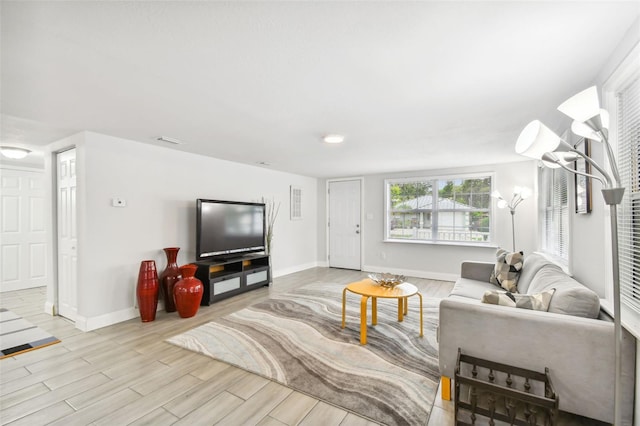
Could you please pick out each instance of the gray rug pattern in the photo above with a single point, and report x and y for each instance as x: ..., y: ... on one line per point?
x: 296, y: 339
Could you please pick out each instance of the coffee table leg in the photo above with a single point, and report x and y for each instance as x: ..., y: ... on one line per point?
x: 344, y: 306
x: 406, y: 305
x: 400, y: 309
x: 420, y: 296
x: 363, y: 320
x: 374, y: 311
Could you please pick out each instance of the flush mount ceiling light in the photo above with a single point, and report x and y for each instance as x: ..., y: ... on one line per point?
x: 13, y: 152
x: 170, y: 140
x: 335, y: 138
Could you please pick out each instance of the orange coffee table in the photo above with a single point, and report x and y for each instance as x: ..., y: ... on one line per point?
x: 369, y: 289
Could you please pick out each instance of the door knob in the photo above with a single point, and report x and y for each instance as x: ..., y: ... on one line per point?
x: 357, y: 232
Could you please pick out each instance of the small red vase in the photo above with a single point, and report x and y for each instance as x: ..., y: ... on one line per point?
x: 169, y: 277
x: 147, y: 290
x: 188, y: 292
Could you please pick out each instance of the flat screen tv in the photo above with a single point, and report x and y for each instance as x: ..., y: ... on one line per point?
x: 226, y: 229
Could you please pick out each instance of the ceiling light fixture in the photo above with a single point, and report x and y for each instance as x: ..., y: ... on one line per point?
x: 170, y: 140
x: 14, y: 153
x: 335, y: 138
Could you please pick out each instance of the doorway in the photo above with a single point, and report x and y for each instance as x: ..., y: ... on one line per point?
x: 67, y: 234
x: 23, y: 229
x: 345, y: 232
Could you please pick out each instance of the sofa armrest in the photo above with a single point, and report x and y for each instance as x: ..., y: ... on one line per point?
x: 578, y: 351
x: 480, y: 271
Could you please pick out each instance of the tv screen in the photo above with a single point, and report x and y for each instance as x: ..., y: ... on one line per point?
x: 226, y: 228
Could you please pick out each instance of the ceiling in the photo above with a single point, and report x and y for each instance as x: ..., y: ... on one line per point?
x: 411, y: 85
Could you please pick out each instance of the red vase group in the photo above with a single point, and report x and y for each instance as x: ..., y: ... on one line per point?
x: 147, y: 290
x: 188, y: 292
x: 179, y: 287
x: 169, y: 278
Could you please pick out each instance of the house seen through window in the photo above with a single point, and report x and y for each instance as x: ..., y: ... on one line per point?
x: 454, y: 209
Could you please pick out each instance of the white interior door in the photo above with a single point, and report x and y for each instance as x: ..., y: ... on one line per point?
x: 23, y: 230
x: 67, y: 235
x: 344, y: 224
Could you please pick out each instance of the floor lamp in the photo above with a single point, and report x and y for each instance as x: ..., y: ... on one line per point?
x: 537, y: 141
x: 519, y: 194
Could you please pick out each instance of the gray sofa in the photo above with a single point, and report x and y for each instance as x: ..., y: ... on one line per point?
x: 575, y: 339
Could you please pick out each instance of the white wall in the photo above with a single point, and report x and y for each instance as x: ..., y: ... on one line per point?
x: 438, y: 261
x: 160, y: 187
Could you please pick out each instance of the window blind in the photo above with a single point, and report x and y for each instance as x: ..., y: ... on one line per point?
x: 555, y: 213
x: 628, y: 143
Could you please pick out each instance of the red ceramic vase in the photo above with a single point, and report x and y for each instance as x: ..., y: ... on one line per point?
x: 188, y: 292
x: 147, y: 290
x: 169, y: 277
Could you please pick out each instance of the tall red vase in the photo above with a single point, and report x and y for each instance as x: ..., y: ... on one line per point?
x: 188, y: 292
x: 169, y: 277
x: 147, y: 290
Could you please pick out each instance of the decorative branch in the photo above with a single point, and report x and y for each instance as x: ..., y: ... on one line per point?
x: 272, y: 210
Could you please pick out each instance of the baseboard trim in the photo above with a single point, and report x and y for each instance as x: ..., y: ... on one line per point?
x: 6, y: 287
x: 297, y: 268
x: 94, y: 323
x: 431, y: 275
x: 49, y: 308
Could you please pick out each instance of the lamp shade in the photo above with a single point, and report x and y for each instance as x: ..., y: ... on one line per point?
x: 549, y: 160
x: 525, y: 192
x: 583, y: 106
x: 604, y: 118
x: 536, y: 139
x: 581, y: 129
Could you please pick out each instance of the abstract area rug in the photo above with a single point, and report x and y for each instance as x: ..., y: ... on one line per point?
x: 18, y: 335
x: 296, y: 339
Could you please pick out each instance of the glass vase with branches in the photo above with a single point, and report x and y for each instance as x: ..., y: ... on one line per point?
x: 271, y: 210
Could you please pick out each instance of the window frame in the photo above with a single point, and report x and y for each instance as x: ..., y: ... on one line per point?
x: 432, y: 180
x: 624, y: 74
x: 549, y: 191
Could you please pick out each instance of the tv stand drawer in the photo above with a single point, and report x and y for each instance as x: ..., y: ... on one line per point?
x: 225, y: 284
x: 258, y: 276
x: 226, y: 278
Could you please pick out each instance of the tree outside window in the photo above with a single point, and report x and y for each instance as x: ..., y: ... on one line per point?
x: 445, y: 209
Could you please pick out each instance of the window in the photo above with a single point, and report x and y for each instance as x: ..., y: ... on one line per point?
x: 554, y: 214
x: 455, y: 209
x: 628, y: 156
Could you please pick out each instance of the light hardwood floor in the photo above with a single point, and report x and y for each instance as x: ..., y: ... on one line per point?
x: 127, y: 374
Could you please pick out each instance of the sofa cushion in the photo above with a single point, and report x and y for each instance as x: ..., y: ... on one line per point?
x: 530, y: 267
x: 507, y: 269
x: 472, y: 289
x: 571, y: 297
x: 536, y: 302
